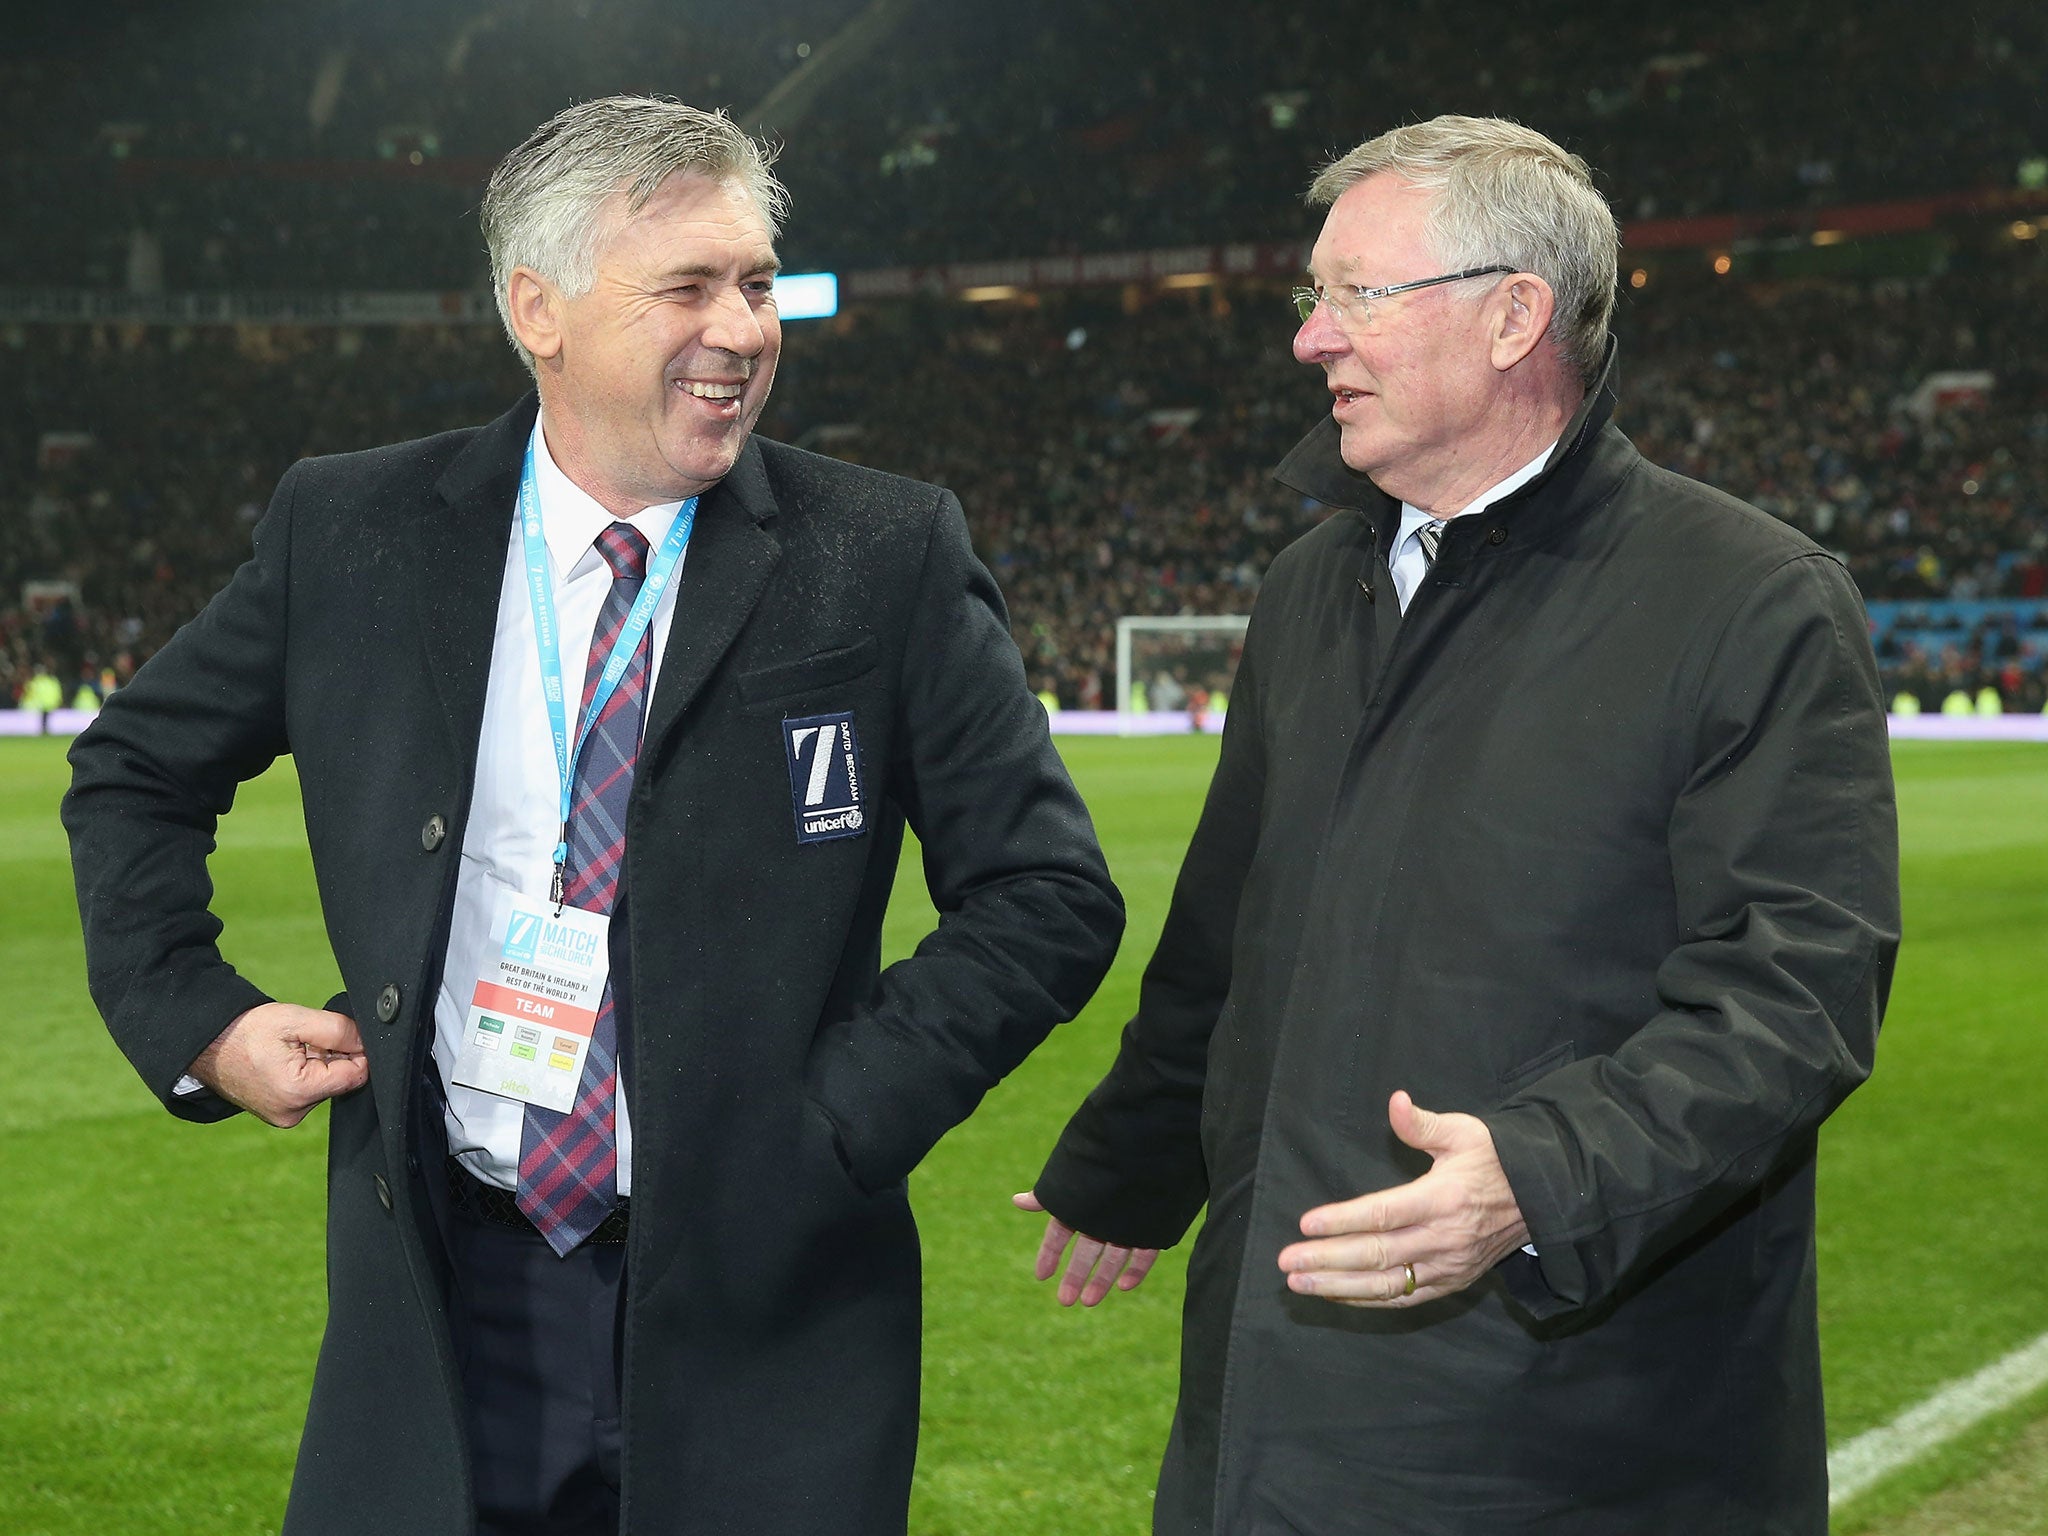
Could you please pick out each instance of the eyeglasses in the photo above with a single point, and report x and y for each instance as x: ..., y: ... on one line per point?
x: 1352, y: 305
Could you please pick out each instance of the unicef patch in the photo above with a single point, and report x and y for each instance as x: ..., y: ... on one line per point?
x: 824, y: 777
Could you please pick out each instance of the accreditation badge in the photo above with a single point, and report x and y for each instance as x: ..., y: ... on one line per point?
x: 533, y: 1011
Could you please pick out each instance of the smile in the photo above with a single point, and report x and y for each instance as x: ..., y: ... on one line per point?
x: 711, y: 391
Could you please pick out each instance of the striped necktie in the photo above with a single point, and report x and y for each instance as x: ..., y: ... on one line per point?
x: 1430, y: 534
x: 569, y: 1163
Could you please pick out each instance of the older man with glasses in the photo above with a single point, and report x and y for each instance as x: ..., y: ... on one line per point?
x: 1544, y: 905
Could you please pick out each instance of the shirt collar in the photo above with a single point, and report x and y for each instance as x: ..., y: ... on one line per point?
x: 571, y: 518
x: 1413, y: 517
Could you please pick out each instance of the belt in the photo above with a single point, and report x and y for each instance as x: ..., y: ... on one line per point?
x: 500, y: 1207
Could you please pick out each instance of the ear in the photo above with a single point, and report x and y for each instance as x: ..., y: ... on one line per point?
x: 536, y: 309
x: 1519, y: 317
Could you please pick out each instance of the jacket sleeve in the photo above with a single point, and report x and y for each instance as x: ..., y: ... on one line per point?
x: 1129, y: 1168
x: 150, y: 778
x: 1784, y: 858
x: 1028, y: 918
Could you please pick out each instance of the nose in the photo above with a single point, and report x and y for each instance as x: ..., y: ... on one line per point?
x: 1320, y: 337
x: 735, y: 326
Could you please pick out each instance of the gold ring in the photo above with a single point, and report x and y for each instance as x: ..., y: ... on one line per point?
x: 1409, y: 1288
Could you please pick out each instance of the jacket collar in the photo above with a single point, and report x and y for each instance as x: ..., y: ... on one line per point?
x: 733, y: 551
x: 493, y: 455
x: 461, y: 566
x: 489, y: 466
x: 1315, y: 466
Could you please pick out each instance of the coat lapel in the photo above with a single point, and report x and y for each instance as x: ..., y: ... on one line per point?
x: 460, y: 567
x: 732, y: 553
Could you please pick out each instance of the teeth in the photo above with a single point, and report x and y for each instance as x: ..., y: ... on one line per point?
x: 712, y: 391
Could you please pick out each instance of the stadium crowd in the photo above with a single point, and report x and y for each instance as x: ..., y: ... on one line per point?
x: 1113, y: 457
x: 343, y: 143
x: 1183, y: 124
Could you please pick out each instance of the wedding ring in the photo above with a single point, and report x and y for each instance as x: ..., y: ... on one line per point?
x: 1409, y: 1271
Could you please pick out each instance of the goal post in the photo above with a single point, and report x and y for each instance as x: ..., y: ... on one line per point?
x: 1188, y: 651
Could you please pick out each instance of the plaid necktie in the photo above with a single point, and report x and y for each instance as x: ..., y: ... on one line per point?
x: 569, y: 1163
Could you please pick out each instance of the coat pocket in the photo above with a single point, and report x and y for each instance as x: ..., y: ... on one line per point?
x: 833, y: 1156
x: 841, y: 664
x: 1515, y: 1079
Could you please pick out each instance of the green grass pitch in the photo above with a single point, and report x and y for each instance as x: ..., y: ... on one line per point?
x: 161, y: 1285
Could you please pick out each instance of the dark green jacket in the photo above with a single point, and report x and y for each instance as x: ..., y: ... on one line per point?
x: 1596, y: 843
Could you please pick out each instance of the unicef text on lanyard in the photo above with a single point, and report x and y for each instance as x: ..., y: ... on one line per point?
x: 540, y: 587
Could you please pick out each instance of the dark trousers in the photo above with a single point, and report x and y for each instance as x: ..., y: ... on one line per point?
x: 540, y: 1341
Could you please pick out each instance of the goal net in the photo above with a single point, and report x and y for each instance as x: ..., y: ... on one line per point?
x: 1176, y: 663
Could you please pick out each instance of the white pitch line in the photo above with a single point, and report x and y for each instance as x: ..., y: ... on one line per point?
x: 1877, y: 1453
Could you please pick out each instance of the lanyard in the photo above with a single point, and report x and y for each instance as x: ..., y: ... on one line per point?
x: 540, y: 587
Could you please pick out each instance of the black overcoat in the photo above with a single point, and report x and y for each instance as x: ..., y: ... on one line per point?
x: 1597, y: 843
x: 782, y: 1085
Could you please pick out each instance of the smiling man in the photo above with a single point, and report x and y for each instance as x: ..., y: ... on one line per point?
x: 1543, y: 906
x: 609, y: 717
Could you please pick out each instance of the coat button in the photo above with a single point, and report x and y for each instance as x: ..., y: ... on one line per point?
x: 433, y: 832
x: 387, y: 1003
x: 1497, y: 537
x: 383, y: 1191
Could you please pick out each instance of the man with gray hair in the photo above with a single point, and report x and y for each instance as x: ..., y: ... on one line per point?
x: 609, y: 717
x: 1543, y: 906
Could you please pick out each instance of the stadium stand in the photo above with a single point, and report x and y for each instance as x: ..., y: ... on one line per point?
x: 1111, y: 462
x: 343, y: 143
x: 1111, y: 445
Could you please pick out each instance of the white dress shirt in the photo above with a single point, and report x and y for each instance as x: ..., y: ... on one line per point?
x: 1410, y: 564
x: 515, y: 812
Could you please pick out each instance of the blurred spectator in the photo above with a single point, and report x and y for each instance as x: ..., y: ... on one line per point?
x: 42, y: 692
x: 1113, y: 455
x: 343, y: 143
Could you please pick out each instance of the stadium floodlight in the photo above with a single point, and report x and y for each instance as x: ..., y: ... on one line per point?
x: 807, y: 295
x: 1194, y: 650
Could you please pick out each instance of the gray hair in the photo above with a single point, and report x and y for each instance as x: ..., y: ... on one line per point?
x: 547, y: 204
x: 1504, y: 193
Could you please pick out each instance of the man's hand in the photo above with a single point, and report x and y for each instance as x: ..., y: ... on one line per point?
x: 1452, y: 1225
x: 1123, y: 1268
x: 278, y: 1060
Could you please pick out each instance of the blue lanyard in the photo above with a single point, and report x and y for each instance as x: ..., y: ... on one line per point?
x: 540, y: 587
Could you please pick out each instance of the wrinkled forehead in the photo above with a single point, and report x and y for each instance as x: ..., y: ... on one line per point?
x: 688, y: 208
x: 1377, y: 232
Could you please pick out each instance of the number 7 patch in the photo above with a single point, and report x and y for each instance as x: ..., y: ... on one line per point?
x: 824, y: 777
